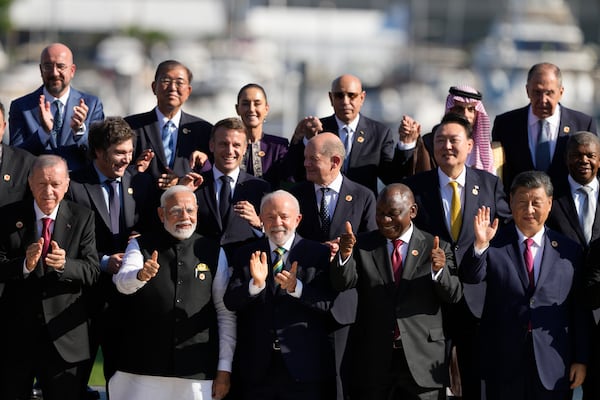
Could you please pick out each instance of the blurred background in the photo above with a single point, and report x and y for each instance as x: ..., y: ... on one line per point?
x: 407, y: 52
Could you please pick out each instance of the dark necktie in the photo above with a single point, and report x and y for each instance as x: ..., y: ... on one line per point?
x: 324, y: 216
x: 224, y: 198
x: 114, y: 205
x: 542, y: 148
x: 168, y: 142
x: 46, y: 236
x: 57, y: 124
x: 397, y: 261
x: 586, y: 215
x: 278, y: 261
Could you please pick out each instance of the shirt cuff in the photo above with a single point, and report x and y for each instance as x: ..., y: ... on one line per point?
x: 479, y: 252
x: 297, y: 293
x: 436, y: 275
x: 253, y: 290
x: 407, y: 146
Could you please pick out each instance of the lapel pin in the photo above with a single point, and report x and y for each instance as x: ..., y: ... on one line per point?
x: 6, y: 178
x: 68, y: 226
x: 415, y: 253
x: 566, y: 130
x: 202, y: 276
x: 475, y: 190
x: 130, y: 190
x: 554, y: 243
x: 186, y: 131
x: 360, y: 139
x: 19, y: 224
x: 202, y: 267
x: 348, y: 198
x: 261, y: 153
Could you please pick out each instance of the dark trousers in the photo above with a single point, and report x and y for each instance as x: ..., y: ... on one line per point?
x: 398, y: 385
x: 279, y: 385
x: 527, y: 387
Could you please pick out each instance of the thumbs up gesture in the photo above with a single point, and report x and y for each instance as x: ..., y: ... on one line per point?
x: 438, y: 257
x: 150, y: 268
x: 347, y: 241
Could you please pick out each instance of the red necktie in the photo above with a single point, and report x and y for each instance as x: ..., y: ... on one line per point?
x: 46, y: 236
x: 528, y: 255
x: 397, y: 261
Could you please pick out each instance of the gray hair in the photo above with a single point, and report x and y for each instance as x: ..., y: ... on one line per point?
x: 172, y: 190
x: 280, y: 193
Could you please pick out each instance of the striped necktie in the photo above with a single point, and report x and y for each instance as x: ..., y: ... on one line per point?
x: 278, y: 262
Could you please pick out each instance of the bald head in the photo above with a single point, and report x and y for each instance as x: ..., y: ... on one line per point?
x: 323, y: 158
x: 346, y: 97
x: 395, y: 209
x: 57, y: 68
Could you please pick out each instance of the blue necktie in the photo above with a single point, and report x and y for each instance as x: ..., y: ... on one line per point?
x: 57, y: 124
x: 168, y: 142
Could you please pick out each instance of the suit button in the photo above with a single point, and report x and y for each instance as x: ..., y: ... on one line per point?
x: 531, y: 301
x: 178, y: 301
x: 180, y: 264
x: 180, y: 282
x: 456, y: 247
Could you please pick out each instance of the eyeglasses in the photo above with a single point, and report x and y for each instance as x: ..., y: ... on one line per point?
x: 178, y: 211
x: 341, y: 95
x: 49, y: 67
x: 167, y: 82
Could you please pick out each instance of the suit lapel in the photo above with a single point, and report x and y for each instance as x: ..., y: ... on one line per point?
x: 343, y: 207
x: 381, y: 259
x: 413, y: 256
x: 471, y: 196
x: 62, y: 226
x: 65, y: 131
x: 514, y: 253
x: 548, y: 258
x: 128, y: 211
x: 358, y: 140
x: 210, y: 196
x: 432, y: 200
x: 155, y: 138
x: 567, y: 205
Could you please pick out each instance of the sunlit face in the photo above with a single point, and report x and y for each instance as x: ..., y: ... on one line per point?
x: 530, y: 209
x: 179, y: 215
x: 49, y: 185
x: 228, y: 147
x: 583, y: 162
x: 113, y: 161
x: 465, y: 109
x: 172, y: 89
x: 280, y: 218
x: 347, y: 98
x: 57, y: 69
x: 544, y: 92
x: 252, y: 107
x: 320, y: 169
x: 393, y: 214
x: 451, y: 147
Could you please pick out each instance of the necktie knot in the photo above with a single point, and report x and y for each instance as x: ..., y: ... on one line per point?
x: 398, y: 243
x: 528, y: 243
x: 278, y: 263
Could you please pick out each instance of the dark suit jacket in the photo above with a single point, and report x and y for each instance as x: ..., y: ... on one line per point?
x: 560, y: 328
x: 415, y: 305
x: 563, y: 217
x: 273, y: 148
x: 298, y: 324
x: 193, y: 134
x: 481, y: 189
x: 47, y: 300
x: 16, y: 164
x: 510, y: 129
x: 236, y: 230
x: 372, y: 153
x: 24, y: 125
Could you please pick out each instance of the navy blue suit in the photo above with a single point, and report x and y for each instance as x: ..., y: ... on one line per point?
x: 371, y: 156
x: 193, y: 134
x: 24, y: 125
x: 559, y: 327
x: 510, y: 129
x: 299, y: 324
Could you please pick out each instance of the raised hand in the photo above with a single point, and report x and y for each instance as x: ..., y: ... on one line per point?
x: 150, y: 268
x: 79, y: 115
x: 167, y: 180
x: 438, y: 257
x: 46, y: 117
x: 409, y: 130
x: 33, y: 254
x: 347, y: 241
x: 197, y: 160
x: 484, y: 231
x: 143, y: 161
x: 287, y: 279
x: 246, y: 210
x: 307, y: 128
x: 193, y: 180
x: 259, y: 268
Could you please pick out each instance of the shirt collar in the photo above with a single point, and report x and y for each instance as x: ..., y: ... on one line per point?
x: 162, y: 120
x: 554, y: 119
x: 537, y: 238
x: 405, y: 237
x: 335, y: 185
x: 63, y: 99
x: 287, y: 245
x: 233, y: 174
x: 574, y: 185
x: 39, y: 214
x: 103, y: 178
x: 445, y: 179
x: 353, y: 124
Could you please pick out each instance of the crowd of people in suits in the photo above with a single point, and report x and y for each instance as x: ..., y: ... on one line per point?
x: 219, y: 261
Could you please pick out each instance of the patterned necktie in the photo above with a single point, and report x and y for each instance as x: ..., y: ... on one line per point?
x: 278, y: 261
x: 455, y: 208
x: 542, y: 148
x: 46, y: 236
x: 57, y: 124
x: 586, y: 214
x: 348, y: 147
x: 225, y: 198
x: 324, y: 212
x: 397, y: 261
x: 168, y: 142
x: 114, y: 205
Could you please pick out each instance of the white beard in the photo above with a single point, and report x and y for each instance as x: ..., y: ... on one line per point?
x: 179, y: 233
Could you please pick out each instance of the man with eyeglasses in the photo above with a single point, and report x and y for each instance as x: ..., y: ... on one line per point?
x: 369, y: 144
x: 176, y: 338
x: 166, y: 135
x: 55, y: 118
